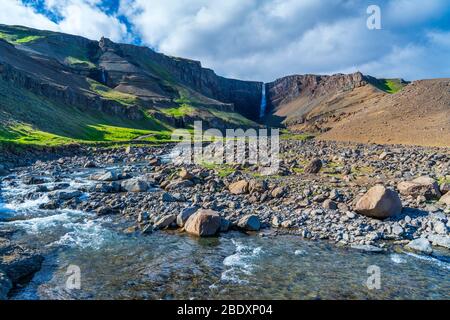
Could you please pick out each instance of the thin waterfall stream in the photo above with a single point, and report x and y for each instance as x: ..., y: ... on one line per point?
x: 263, y: 107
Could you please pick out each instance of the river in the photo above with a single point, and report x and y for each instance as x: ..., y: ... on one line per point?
x: 170, y: 265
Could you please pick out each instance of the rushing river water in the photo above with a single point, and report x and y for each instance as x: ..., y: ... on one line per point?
x: 167, y: 265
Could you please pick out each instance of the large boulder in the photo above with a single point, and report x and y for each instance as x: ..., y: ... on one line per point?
x: 314, y: 166
x: 423, y: 186
x: 204, y: 223
x: 155, y: 162
x: 134, y: 185
x: 90, y: 165
x: 445, y: 188
x: 250, y: 223
x: 109, y: 176
x: 440, y: 240
x: 421, y: 245
x: 259, y: 186
x: 185, y: 175
x: 18, y: 263
x: 179, y: 185
x: 33, y: 180
x: 278, y: 192
x: 65, y: 195
x: 5, y: 286
x: 3, y: 170
x: 184, y: 215
x: 380, y: 203
x: 240, y: 187
x: 165, y: 222
x: 445, y: 199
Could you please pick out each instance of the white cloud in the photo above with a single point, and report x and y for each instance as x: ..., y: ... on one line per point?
x: 264, y: 40
x: 84, y: 19
x: 15, y: 13
x: 80, y: 17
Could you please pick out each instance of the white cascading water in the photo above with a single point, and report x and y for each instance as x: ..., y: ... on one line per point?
x: 263, y: 102
x: 103, y: 76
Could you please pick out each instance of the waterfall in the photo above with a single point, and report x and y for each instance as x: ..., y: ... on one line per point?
x: 103, y: 76
x: 262, y: 111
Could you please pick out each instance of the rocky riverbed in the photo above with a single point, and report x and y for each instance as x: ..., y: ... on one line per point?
x: 371, y: 198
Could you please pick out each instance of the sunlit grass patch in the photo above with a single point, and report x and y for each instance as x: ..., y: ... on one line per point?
x: 179, y: 112
x: 390, y: 85
x: 25, y: 135
x: 19, y: 38
x: 112, y: 133
x: 110, y: 94
x: 296, y: 136
x: 223, y: 170
x: 78, y: 62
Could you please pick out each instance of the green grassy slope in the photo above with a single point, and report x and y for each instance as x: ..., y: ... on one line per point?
x: 21, y: 35
x: 39, y: 121
x: 389, y: 85
x: 26, y: 118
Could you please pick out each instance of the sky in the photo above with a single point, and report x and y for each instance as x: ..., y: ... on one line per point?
x: 263, y: 39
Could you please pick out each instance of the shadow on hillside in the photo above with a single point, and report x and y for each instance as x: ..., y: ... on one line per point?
x: 274, y: 121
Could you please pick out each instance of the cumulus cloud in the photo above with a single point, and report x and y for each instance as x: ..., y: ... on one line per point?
x: 80, y: 17
x: 15, y: 13
x: 84, y: 18
x: 264, y: 40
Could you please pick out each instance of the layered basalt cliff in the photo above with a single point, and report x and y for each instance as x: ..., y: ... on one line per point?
x: 53, y: 81
x: 287, y: 89
x: 122, y: 80
x: 244, y: 95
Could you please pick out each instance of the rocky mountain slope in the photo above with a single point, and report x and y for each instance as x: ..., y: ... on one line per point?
x: 361, y: 108
x: 297, y: 99
x: 57, y: 87
x: 417, y: 115
x: 115, y: 84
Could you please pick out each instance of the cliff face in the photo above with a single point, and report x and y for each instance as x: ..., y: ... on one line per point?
x: 123, y: 80
x: 55, y: 82
x: 298, y: 99
x: 244, y: 95
x: 288, y: 89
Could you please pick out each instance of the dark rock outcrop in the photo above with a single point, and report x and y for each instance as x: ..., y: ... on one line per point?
x: 16, y: 264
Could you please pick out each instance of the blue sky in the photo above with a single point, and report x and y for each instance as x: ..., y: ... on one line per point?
x: 263, y: 39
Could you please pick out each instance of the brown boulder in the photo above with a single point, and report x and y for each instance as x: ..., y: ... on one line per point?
x: 445, y: 199
x: 250, y: 223
x: 165, y: 222
x: 445, y: 188
x: 257, y: 186
x: 204, y: 223
x: 185, y: 175
x: 240, y: 187
x: 314, y: 166
x: 423, y: 186
x: 379, y: 203
x: 278, y: 192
